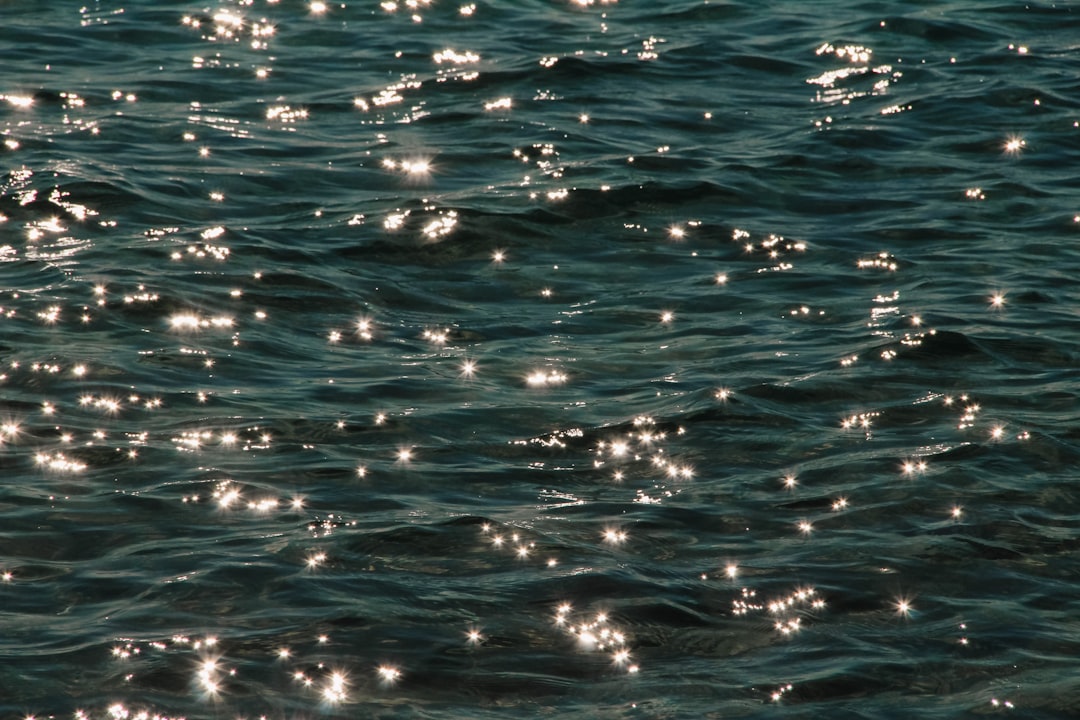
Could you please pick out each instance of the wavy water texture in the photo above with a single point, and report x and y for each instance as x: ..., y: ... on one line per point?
x: 591, y: 358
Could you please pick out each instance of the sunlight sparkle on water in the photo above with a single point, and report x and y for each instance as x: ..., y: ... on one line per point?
x: 882, y: 261
x: 778, y: 694
x: 208, y: 677
x: 415, y: 167
x: 613, y: 536
x: 596, y: 633
x: 20, y: 101
x: 450, y: 55
x: 503, y: 103
x: 58, y: 462
x: 436, y: 336
x: 914, y: 467
x: 570, y: 469
x: 192, y: 321
x: 540, y: 378
x: 388, y: 674
x: 335, y: 689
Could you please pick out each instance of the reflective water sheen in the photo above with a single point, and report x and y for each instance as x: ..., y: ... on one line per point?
x: 578, y: 358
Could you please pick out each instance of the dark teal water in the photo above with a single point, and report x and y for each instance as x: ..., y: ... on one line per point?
x: 669, y: 359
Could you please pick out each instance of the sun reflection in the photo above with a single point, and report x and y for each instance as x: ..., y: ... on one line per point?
x: 882, y: 261
x: 449, y: 55
x: 540, y: 378
x: 208, y: 677
x: 388, y: 674
x: 778, y: 694
x: 503, y: 103
x: 335, y: 689
x: 58, y: 462
x: 613, y: 536
x: 1014, y: 144
x: 20, y: 101
x: 193, y: 321
x: 415, y: 167
x: 286, y: 114
x: 903, y: 607
x: 914, y: 467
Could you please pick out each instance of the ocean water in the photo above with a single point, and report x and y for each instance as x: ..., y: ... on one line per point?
x: 449, y: 359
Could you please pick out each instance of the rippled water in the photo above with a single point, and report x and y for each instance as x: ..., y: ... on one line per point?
x: 424, y: 359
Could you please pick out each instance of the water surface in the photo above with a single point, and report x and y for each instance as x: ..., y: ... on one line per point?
x: 413, y: 359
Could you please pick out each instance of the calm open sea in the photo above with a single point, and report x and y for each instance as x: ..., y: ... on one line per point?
x: 539, y: 358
